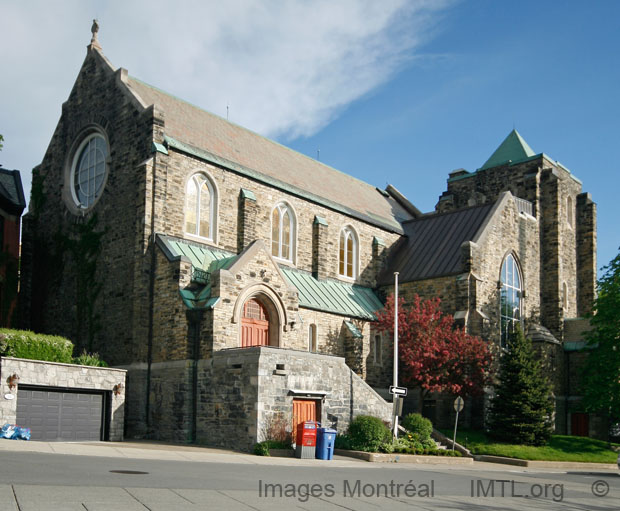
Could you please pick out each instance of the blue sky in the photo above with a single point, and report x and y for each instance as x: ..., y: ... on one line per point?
x: 400, y: 91
x: 550, y: 69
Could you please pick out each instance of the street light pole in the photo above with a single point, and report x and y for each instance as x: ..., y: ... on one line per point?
x: 395, y: 382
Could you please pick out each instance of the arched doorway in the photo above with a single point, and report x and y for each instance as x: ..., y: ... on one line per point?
x: 254, y: 324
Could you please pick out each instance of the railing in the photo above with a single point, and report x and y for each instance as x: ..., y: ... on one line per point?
x: 200, y: 276
x: 524, y: 206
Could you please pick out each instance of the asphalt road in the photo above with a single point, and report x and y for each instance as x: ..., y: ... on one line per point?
x: 37, y: 481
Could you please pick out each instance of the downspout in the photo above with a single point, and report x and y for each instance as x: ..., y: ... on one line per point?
x: 149, y: 355
x: 194, y: 318
x: 567, y: 397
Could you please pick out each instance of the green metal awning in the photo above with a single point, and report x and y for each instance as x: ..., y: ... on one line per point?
x: 201, y: 256
x: 333, y: 296
x: 327, y: 295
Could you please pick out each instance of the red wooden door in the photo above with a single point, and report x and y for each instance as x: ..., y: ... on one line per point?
x: 579, y: 424
x: 303, y: 410
x: 254, y: 325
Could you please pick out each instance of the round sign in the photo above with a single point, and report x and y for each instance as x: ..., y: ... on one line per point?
x: 458, y: 404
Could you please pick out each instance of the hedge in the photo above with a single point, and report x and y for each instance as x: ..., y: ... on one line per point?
x: 26, y: 344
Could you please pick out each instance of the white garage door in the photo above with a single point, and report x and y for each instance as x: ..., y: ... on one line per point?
x: 59, y: 414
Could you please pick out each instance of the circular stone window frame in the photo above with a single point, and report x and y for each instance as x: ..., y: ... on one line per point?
x: 73, y: 156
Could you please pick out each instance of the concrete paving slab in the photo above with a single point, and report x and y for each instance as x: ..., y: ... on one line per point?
x: 157, y: 499
x: 7, y: 499
x: 213, y: 499
x: 253, y: 501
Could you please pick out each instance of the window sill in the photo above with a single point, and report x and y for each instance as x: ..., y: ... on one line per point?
x: 286, y: 262
x: 200, y: 239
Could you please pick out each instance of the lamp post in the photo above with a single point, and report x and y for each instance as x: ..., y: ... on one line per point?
x: 395, y: 382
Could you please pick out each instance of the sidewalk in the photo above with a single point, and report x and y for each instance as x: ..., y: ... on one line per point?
x: 153, y: 450
x: 163, y: 451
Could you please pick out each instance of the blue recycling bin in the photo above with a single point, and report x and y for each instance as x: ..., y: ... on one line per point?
x: 325, y: 439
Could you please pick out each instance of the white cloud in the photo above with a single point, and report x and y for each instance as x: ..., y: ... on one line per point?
x: 286, y: 68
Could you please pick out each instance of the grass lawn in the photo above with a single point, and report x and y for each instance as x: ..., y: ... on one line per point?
x: 560, y: 448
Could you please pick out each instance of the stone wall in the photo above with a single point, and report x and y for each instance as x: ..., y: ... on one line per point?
x: 343, y: 395
x: 238, y: 391
x: 237, y: 214
x: 567, y: 229
x: 66, y: 376
x: 98, y: 101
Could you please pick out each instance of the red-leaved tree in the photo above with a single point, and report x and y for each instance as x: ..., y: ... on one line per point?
x: 435, y: 355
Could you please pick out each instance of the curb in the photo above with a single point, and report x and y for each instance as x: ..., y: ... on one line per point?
x: 375, y: 457
x: 542, y: 464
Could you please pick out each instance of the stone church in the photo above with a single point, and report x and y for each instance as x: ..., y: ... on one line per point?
x: 237, y: 280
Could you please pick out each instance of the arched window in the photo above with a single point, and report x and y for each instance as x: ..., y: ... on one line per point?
x: 510, y: 297
x: 283, y: 232
x: 377, y: 350
x: 347, y: 266
x: 565, y: 297
x: 312, y: 343
x: 200, y: 203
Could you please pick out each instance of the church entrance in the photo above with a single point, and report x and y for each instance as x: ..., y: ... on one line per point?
x: 254, y: 324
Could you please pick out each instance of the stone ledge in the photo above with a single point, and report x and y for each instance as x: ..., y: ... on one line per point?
x: 282, y: 453
x: 62, y: 364
x: 543, y: 464
x: 377, y: 457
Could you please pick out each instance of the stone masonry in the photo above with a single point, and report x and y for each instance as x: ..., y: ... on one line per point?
x: 68, y: 376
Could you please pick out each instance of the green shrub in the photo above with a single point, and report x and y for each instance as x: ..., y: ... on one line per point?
x: 368, y: 433
x: 415, y: 423
x: 89, y: 359
x: 26, y: 344
x: 342, y: 441
x: 261, y: 448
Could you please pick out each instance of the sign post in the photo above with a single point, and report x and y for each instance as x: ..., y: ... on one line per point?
x: 395, y: 384
x: 458, y: 406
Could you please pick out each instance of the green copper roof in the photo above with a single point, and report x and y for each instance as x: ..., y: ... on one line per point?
x: 353, y: 329
x: 201, y: 256
x: 333, y: 296
x: 329, y: 295
x: 159, y: 148
x: 513, y: 148
x: 248, y: 194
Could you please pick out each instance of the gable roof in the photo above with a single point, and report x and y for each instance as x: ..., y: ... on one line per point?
x: 512, y: 149
x: 188, y: 128
x: 431, y: 246
x: 11, y: 191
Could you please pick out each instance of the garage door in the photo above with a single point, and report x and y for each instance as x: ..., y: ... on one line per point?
x: 55, y: 414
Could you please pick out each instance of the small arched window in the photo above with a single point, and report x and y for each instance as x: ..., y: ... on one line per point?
x: 283, y: 232
x: 312, y: 341
x: 510, y: 297
x: 565, y: 297
x: 377, y: 350
x: 200, y: 204
x: 570, y: 211
x: 347, y: 266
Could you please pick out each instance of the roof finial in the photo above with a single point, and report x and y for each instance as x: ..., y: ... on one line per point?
x: 94, y: 29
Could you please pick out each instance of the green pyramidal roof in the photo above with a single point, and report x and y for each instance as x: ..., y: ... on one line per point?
x: 513, y: 148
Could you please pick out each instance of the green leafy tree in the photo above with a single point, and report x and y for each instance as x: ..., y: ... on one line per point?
x: 522, y: 408
x: 1, y: 140
x: 601, y: 372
